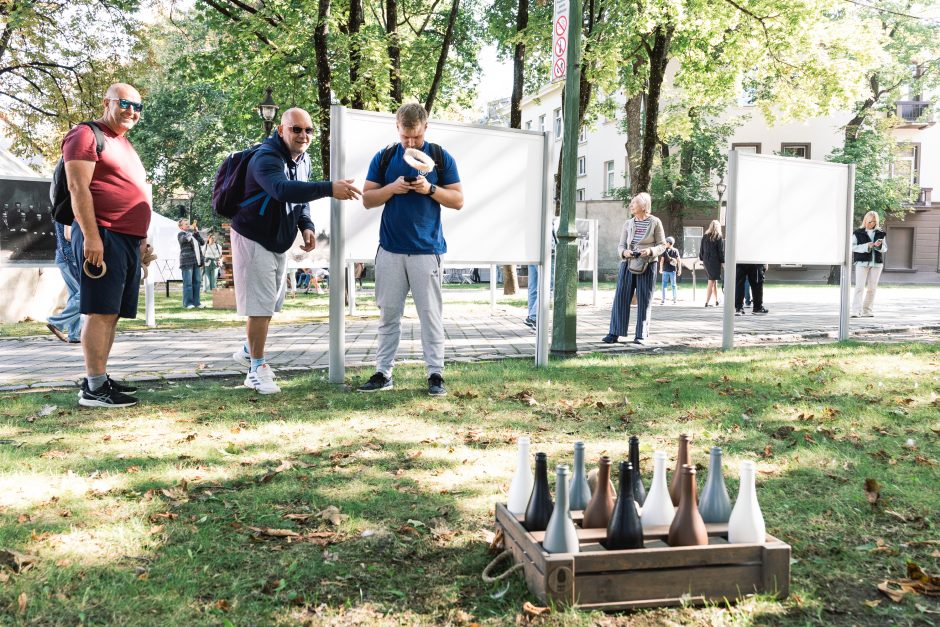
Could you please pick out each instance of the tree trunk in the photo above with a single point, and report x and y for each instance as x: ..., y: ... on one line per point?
x: 659, y: 57
x: 394, y: 50
x: 634, y: 143
x: 442, y: 57
x: 356, y: 20
x: 510, y: 280
x: 518, y: 65
x: 324, y: 81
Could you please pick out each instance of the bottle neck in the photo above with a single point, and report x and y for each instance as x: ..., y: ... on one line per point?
x: 659, y: 469
x: 561, y: 492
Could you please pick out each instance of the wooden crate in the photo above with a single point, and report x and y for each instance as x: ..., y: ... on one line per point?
x: 658, y: 575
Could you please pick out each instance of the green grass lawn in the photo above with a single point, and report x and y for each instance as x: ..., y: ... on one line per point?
x: 164, y: 513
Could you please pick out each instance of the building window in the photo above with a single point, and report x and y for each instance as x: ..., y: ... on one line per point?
x: 608, y: 177
x: 907, y: 164
x: 753, y: 149
x: 579, y: 194
x: 582, y: 136
x: 528, y: 125
x: 795, y: 150
x: 542, y: 123
x: 582, y: 166
x: 557, y: 124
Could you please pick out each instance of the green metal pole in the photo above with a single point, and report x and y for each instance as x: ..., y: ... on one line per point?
x: 565, y: 319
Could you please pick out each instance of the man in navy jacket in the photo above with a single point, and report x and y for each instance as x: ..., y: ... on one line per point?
x: 263, y: 231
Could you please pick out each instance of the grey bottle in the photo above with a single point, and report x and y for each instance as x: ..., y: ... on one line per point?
x: 561, y: 535
x: 580, y: 492
x: 714, y: 504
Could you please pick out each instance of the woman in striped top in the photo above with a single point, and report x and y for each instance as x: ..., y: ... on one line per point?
x: 642, y: 237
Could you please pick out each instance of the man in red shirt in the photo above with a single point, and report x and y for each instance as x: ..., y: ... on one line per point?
x: 111, y: 202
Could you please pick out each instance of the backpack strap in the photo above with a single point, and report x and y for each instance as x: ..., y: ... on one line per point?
x: 437, y: 155
x: 384, y: 160
x: 99, y: 136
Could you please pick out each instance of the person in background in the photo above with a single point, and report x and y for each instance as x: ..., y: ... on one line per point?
x: 191, y: 242
x: 67, y: 324
x: 712, y: 254
x: 642, y: 239
x: 670, y: 266
x: 869, y: 245
x: 212, y: 254
x: 754, y: 274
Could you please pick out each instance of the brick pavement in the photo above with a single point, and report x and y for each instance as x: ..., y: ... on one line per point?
x: 474, y: 332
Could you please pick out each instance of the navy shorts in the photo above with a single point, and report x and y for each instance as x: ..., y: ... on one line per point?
x: 118, y: 290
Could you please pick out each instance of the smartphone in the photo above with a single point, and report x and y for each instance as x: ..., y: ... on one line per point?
x: 411, y: 179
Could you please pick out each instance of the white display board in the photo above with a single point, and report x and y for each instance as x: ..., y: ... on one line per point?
x: 790, y: 210
x: 501, y: 171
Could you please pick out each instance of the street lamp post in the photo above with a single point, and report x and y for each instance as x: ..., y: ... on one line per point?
x: 721, y: 188
x: 267, y: 109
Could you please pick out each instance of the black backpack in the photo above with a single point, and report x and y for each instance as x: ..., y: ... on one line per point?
x: 59, y: 193
x: 434, y: 151
x: 228, y: 193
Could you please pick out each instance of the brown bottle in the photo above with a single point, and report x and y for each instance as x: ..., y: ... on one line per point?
x: 682, y: 459
x: 687, y: 528
x: 597, y: 513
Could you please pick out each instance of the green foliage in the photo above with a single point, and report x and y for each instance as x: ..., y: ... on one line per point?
x: 874, y: 153
x: 57, y: 58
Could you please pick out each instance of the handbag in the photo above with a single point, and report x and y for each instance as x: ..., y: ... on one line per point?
x: 638, y: 265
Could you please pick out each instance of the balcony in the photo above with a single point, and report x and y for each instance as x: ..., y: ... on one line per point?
x: 916, y: 113
x: 924, y: 197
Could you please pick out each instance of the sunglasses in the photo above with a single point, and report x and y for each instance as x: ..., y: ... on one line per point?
x: 297, y: 130
x: 127, y: 104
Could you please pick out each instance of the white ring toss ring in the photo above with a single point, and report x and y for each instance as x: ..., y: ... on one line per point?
x: 418, y: 160
x: 87, y: 264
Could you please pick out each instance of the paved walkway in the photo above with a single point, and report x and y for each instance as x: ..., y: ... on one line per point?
x: 474, y: 332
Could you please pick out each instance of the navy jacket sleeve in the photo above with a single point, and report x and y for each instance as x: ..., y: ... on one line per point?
x: 268, y: 170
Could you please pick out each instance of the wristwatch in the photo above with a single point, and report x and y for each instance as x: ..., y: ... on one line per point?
x: 432, y: 190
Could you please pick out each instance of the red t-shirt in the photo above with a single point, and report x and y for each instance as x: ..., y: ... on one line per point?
x: 119, y: 187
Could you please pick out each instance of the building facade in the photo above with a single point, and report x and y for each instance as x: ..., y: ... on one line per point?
x: 914, y: 242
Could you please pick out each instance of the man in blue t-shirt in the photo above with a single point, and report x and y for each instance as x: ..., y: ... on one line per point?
x: 411, y: 242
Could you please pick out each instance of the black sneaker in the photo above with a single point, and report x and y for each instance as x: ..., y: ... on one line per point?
x: 530, y: 322
x: 610, y: 339
x: 376, y: 382
x: 436, y: 385
x: 119, y: 387
x: 762, y: 310
x: 739, y: 312
x: 105, y: 396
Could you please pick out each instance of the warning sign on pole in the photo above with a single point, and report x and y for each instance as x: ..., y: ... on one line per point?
x: 559, y: 40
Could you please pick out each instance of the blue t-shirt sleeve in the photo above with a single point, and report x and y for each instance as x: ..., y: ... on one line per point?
x: 450, y: 175
x: 373, y: 174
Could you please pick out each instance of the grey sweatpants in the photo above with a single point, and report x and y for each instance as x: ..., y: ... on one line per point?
x: 395, y: 275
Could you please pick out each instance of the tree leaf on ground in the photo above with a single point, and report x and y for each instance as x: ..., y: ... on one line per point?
x: 298, y: 517
x: 332, y: 515
x: 274, y: 533
x: 872, y: 491
x: 894, y: 589
x: 16, y: 561
x: 21, y: 602
x: 531, y: 611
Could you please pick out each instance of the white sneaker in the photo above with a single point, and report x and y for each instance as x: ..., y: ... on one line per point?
x: 242, y: 358
x: 262, y: 380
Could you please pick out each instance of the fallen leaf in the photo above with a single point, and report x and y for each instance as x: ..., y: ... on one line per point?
x: 222, y: 605
x: 896, y: 595
x: 332, y: 515
x: 54, y: 454
x: 534, y: 610
x: 16, y: 561
x: 164, y: 515
x: 23, y: 518
x: 872, y: 491
x: 767, y: 452
x: 21, y: 601
x: 299, y: 517
x: 156, y: 529
x: 872, y: 603
x: 660, y: 381
x: 274, y: 533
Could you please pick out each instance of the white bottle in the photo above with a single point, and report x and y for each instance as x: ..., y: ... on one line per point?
x: 746, y: 525
x: 521, y: 487
x: 658, y: 509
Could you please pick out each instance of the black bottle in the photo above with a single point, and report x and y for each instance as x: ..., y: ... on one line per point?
x: 639, y: 492
x: 539, y: 510
x: 625, y: 530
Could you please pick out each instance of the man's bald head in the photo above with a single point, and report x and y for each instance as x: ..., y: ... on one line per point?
x: 296, y: 131
x: 121, y: 119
